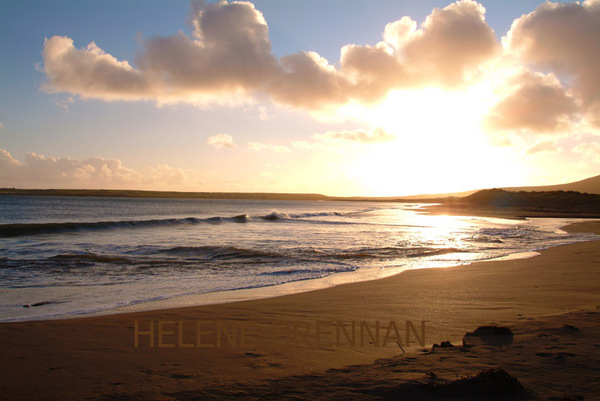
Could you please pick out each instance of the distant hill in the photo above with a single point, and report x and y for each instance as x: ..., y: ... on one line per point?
x: 490, y: 202
x: 589, y: 185
x: 160, y: 194
x: 556, y: 200
x: 430, y: 197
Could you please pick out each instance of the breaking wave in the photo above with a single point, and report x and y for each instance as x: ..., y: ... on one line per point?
x: 16, y: 230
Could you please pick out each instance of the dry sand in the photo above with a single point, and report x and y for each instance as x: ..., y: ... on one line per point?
x: 282, y: 356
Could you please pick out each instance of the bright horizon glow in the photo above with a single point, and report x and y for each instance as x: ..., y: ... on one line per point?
x: 386, y: 99
x: 452, y: 144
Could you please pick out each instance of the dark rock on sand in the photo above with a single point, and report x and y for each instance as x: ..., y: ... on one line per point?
x: 488, y: 383
x: 443, y: 344
x: 490, y: 335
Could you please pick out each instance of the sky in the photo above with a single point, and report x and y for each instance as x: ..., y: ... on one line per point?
x: 338, y: 97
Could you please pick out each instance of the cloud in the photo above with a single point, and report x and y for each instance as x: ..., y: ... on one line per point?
x: 307, y: 80
x: 589, y: 151
x: 337, y: 141
x: 537, y: 103
x: 542, y: 147
x: 90, y: 72
x: 228, y: 57
x: 376, y: 135
x: 373, y: 71
x: 65, y: 103
x: 228, y: 54
x: 451, y: 42
x: 7, y: 161
x: 230, y: 50
x: 305, y: 145
x: 2, y: 126
x: 257, y: 146
x: 221, y: 141
x: 398, y: 33
x: 563, y: 38
x: 319, y: 146
x: 96, y: 172
x: 172, y: 177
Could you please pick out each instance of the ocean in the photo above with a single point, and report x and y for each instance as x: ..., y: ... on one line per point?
x: 64, y: 257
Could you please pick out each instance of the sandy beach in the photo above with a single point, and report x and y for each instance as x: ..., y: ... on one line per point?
x: 368, y: 340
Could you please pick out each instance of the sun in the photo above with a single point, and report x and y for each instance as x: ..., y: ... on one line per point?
x: 440, y: 145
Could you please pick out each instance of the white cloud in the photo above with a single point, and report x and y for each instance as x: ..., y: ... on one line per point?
x: 318, y: 145
x: 90, y: 72
x: 543, y: 147
x: 451, y: 42
x: 230, y: 49
x: 229, y: 57
x: 563, y: 38
x: 7, y: 161
x: 398, y: 33
x: 2, y: 126
x: 221, y: 141
x: 376, y: 135
x: 257, y: 146
x: 338, y: 141
x: 39, y: 171
x: 537, y: 103
x: 307, y: 80
x: 589, y: 151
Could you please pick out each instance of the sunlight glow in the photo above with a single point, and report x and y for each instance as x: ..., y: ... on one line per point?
x: 440, y: 146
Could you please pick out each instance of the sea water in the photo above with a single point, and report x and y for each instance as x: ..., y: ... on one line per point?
x: 73, y: 256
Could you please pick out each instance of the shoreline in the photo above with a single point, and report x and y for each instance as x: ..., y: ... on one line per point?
x: 288, y: 288
x: 267, y: 292
x: 96, y: 357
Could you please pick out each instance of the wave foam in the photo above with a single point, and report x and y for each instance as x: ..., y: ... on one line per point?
x: 17, y: 230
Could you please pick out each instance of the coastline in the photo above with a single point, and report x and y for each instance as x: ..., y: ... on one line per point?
x: 295, y: 287
x: 96, y: 357
x: 365, y: 273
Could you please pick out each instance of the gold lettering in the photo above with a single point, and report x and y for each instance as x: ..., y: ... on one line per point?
x: 181, y: 343
x: 341, y: 328
x: 200, y: 333
x: 302, y: 334
x: 138, y: 332
x: 409, y: 326
x: 222, y: 329
x: 162, y: 332
x: 391, y: 325
x: 364, y: 327
x: 319, y: 332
